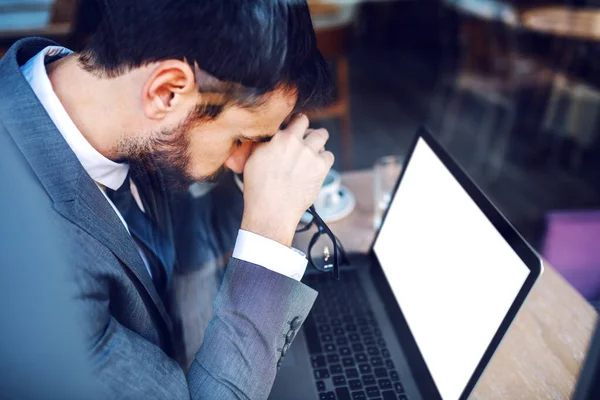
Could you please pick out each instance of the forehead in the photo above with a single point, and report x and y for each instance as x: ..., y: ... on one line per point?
x: 264, y: 119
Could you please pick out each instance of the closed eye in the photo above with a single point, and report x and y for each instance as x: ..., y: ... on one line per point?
x: 256, y: 139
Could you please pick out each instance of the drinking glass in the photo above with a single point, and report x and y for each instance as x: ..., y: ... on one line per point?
x: 385, y: 175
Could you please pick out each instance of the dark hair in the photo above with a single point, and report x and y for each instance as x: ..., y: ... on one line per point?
x: 251, y: 47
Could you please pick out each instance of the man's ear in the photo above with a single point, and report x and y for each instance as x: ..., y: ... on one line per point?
x: 171, y: 87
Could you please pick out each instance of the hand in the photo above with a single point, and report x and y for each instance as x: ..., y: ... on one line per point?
x: 282, y: 179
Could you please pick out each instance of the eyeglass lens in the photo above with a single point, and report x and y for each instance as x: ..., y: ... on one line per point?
x: 322, y: 253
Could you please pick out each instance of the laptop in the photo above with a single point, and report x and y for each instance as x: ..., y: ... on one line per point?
x: 420, y: 315
x: 588, y: 386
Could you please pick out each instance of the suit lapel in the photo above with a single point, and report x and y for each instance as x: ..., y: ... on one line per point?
x: 73, y: 192
x: 91, y: 212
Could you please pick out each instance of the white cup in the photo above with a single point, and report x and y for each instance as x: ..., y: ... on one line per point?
x: 329, y: 194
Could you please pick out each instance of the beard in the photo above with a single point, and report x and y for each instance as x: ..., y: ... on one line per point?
x: 167, y: 153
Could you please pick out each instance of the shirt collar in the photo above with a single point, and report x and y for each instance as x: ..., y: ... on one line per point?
x: 100, y: 168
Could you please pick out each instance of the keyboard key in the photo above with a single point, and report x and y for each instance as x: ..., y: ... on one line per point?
x: 354, y: 337
x: 364, y: 368
x: 369, y: 341
x: 402, y: 397
x: 366, y: 330
x: 368, y: 380
x: 327, y: 337
x: 361, y: 357
x: 377, y: 332
x: 324, y: 328
x: 341, y: 341
x: 389, y: 395
x: 318, y: 361
x: 348, y: 318
x: 376, y: 361
x: 321, y: 319
x: 348, y: 361
x: 358, y: 347
x: 327, y: 396
x: 359, y: 395
x: 394, y: 376
x: 312, y: 338
x: 350, y: 328
x: 338, y: 332
x: 385, y: 353
x: 372, y: 391
x: 380, y: 372
x: 385, y: 384
x: 339, y: 380
x: 373, y: 351
x: 336, y: 322
x: 329, y: 347
x: 361, y: 321
x: 389, y: 364
x: 398, y: 387
x: 355, y: 384
x: 321, y: 374
x: 320, y: 386
x: 381, y: 342
x: 352, y: 373
x: 345, y: 351
x: 333, y: 358
x: 335, y: 369
x: 342, y: 393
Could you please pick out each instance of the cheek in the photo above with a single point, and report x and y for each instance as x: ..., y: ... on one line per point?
x: 208, y: 151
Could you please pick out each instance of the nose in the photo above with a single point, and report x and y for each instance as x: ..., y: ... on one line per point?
x: 238, y: 157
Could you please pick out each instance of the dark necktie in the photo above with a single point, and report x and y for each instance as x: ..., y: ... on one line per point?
x: 147, y: 234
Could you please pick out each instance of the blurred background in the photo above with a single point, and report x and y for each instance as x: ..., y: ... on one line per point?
x: 510, y: 87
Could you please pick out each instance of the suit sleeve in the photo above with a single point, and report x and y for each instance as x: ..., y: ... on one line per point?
x: 246, y: 341
x: 257, y: 314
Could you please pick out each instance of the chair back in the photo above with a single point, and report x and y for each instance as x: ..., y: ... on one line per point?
x: 572, y: 246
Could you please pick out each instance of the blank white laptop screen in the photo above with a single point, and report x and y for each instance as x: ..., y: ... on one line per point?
x: 452, y: 273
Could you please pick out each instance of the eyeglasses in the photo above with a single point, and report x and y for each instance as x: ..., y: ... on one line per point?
x: 325, y: 251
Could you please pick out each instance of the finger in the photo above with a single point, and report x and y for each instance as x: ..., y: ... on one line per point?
x: 308, y: 132
x: 328, y: 158
x: 298, y: 125
x: 316, y: 139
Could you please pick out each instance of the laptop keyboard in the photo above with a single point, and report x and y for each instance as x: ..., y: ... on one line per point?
x: 349, y: 356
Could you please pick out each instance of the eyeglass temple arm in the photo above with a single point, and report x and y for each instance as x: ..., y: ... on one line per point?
x: 317, y: 217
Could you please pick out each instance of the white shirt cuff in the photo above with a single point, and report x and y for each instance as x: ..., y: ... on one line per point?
x: 270, y: 254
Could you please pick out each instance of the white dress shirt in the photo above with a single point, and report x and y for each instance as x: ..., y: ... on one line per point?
x: 249, y: 246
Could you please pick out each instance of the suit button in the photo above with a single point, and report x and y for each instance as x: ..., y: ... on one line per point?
x: 296, y: 322
x: 285, y: 349
x: 290, y: 336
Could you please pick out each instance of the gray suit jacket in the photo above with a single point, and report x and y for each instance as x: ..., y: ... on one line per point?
x: 132, y: 333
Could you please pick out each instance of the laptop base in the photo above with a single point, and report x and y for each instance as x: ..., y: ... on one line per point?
x: 347, y: 348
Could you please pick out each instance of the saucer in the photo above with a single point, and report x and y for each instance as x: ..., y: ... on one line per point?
x: 343, y: 207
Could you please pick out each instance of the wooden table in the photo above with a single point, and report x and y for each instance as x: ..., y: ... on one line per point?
x: 575, y: 23
x: 542, y: 353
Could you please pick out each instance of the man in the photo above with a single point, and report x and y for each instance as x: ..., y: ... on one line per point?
x: 181, y: 89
